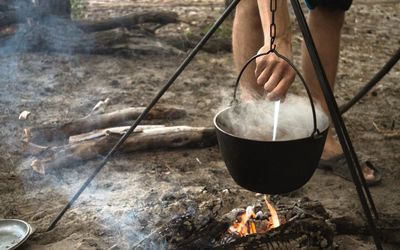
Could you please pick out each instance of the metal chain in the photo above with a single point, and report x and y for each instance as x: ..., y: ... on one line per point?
x: 272, y: 28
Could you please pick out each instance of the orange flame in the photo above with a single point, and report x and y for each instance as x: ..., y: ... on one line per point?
x: 274, y: 219
x: 245, y: 225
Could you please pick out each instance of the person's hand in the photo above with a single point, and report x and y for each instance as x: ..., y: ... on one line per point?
x: 273, y: 73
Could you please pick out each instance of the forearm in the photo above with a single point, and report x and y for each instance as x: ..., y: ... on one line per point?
x: 282, y: 21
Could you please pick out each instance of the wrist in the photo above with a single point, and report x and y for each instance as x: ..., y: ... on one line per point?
x: 282, y: 45
x: 283, y: 40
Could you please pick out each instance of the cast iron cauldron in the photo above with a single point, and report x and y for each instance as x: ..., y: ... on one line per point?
x: 266, y: 166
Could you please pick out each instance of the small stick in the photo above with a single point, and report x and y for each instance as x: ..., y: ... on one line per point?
x: 99, y: 107
x: 24, y: 115
x: 387, y: 133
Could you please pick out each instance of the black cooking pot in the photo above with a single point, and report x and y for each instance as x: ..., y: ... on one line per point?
x: 266, y: 166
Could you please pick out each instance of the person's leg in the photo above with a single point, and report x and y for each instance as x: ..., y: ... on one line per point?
x: 325, y: 26
x: 247, y: 38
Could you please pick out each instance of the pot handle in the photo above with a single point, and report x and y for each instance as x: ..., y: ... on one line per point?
x: 316, y: 131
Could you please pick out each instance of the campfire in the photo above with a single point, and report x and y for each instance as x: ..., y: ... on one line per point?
x: 251, y: 222
x: 304, y: 223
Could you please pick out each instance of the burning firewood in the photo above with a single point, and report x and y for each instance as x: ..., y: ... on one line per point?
x: 92, y: 146
x: 44, y: 135
x: 305, y: 227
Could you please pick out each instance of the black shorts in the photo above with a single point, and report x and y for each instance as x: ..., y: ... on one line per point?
x: 331, y: 4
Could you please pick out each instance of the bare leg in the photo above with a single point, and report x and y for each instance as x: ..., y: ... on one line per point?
x: 247, y: 39
x: 325, y: 26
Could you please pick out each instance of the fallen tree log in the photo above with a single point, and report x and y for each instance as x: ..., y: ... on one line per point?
x: 54, y: 34
x: 61, y: 133
x: 69, y: 39
x: 148, y: 139
x: 129, y: 21
x: 32, y: 149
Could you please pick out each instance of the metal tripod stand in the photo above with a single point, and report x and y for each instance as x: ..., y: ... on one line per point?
x: 351, y: 157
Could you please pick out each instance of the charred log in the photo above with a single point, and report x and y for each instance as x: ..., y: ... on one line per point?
x: 44, y: 135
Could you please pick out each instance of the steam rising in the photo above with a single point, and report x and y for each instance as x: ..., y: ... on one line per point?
x: 255, y: 120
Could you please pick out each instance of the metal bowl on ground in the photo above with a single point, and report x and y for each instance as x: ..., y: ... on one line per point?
x: 13, y: 233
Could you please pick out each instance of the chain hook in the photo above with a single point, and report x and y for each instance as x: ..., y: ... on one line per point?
x: 272, y: 28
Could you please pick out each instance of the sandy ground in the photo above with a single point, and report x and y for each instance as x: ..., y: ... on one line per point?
x: 135, y: 194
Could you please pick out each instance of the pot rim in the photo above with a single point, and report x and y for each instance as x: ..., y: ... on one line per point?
x: 255, y: 140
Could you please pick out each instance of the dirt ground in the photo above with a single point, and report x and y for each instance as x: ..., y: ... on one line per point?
x: 136, y: 193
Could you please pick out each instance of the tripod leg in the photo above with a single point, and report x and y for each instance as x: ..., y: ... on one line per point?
x: 351, y: 157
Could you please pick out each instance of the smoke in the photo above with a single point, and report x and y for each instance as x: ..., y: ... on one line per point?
x: 39, y: 27
x: 255, y: 120
x: 36, y: 82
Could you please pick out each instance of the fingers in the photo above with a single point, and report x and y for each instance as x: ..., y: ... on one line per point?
x: 274, y: 79
x: 275, y: 75
x: 264, y: 70
x: 279, y: 92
